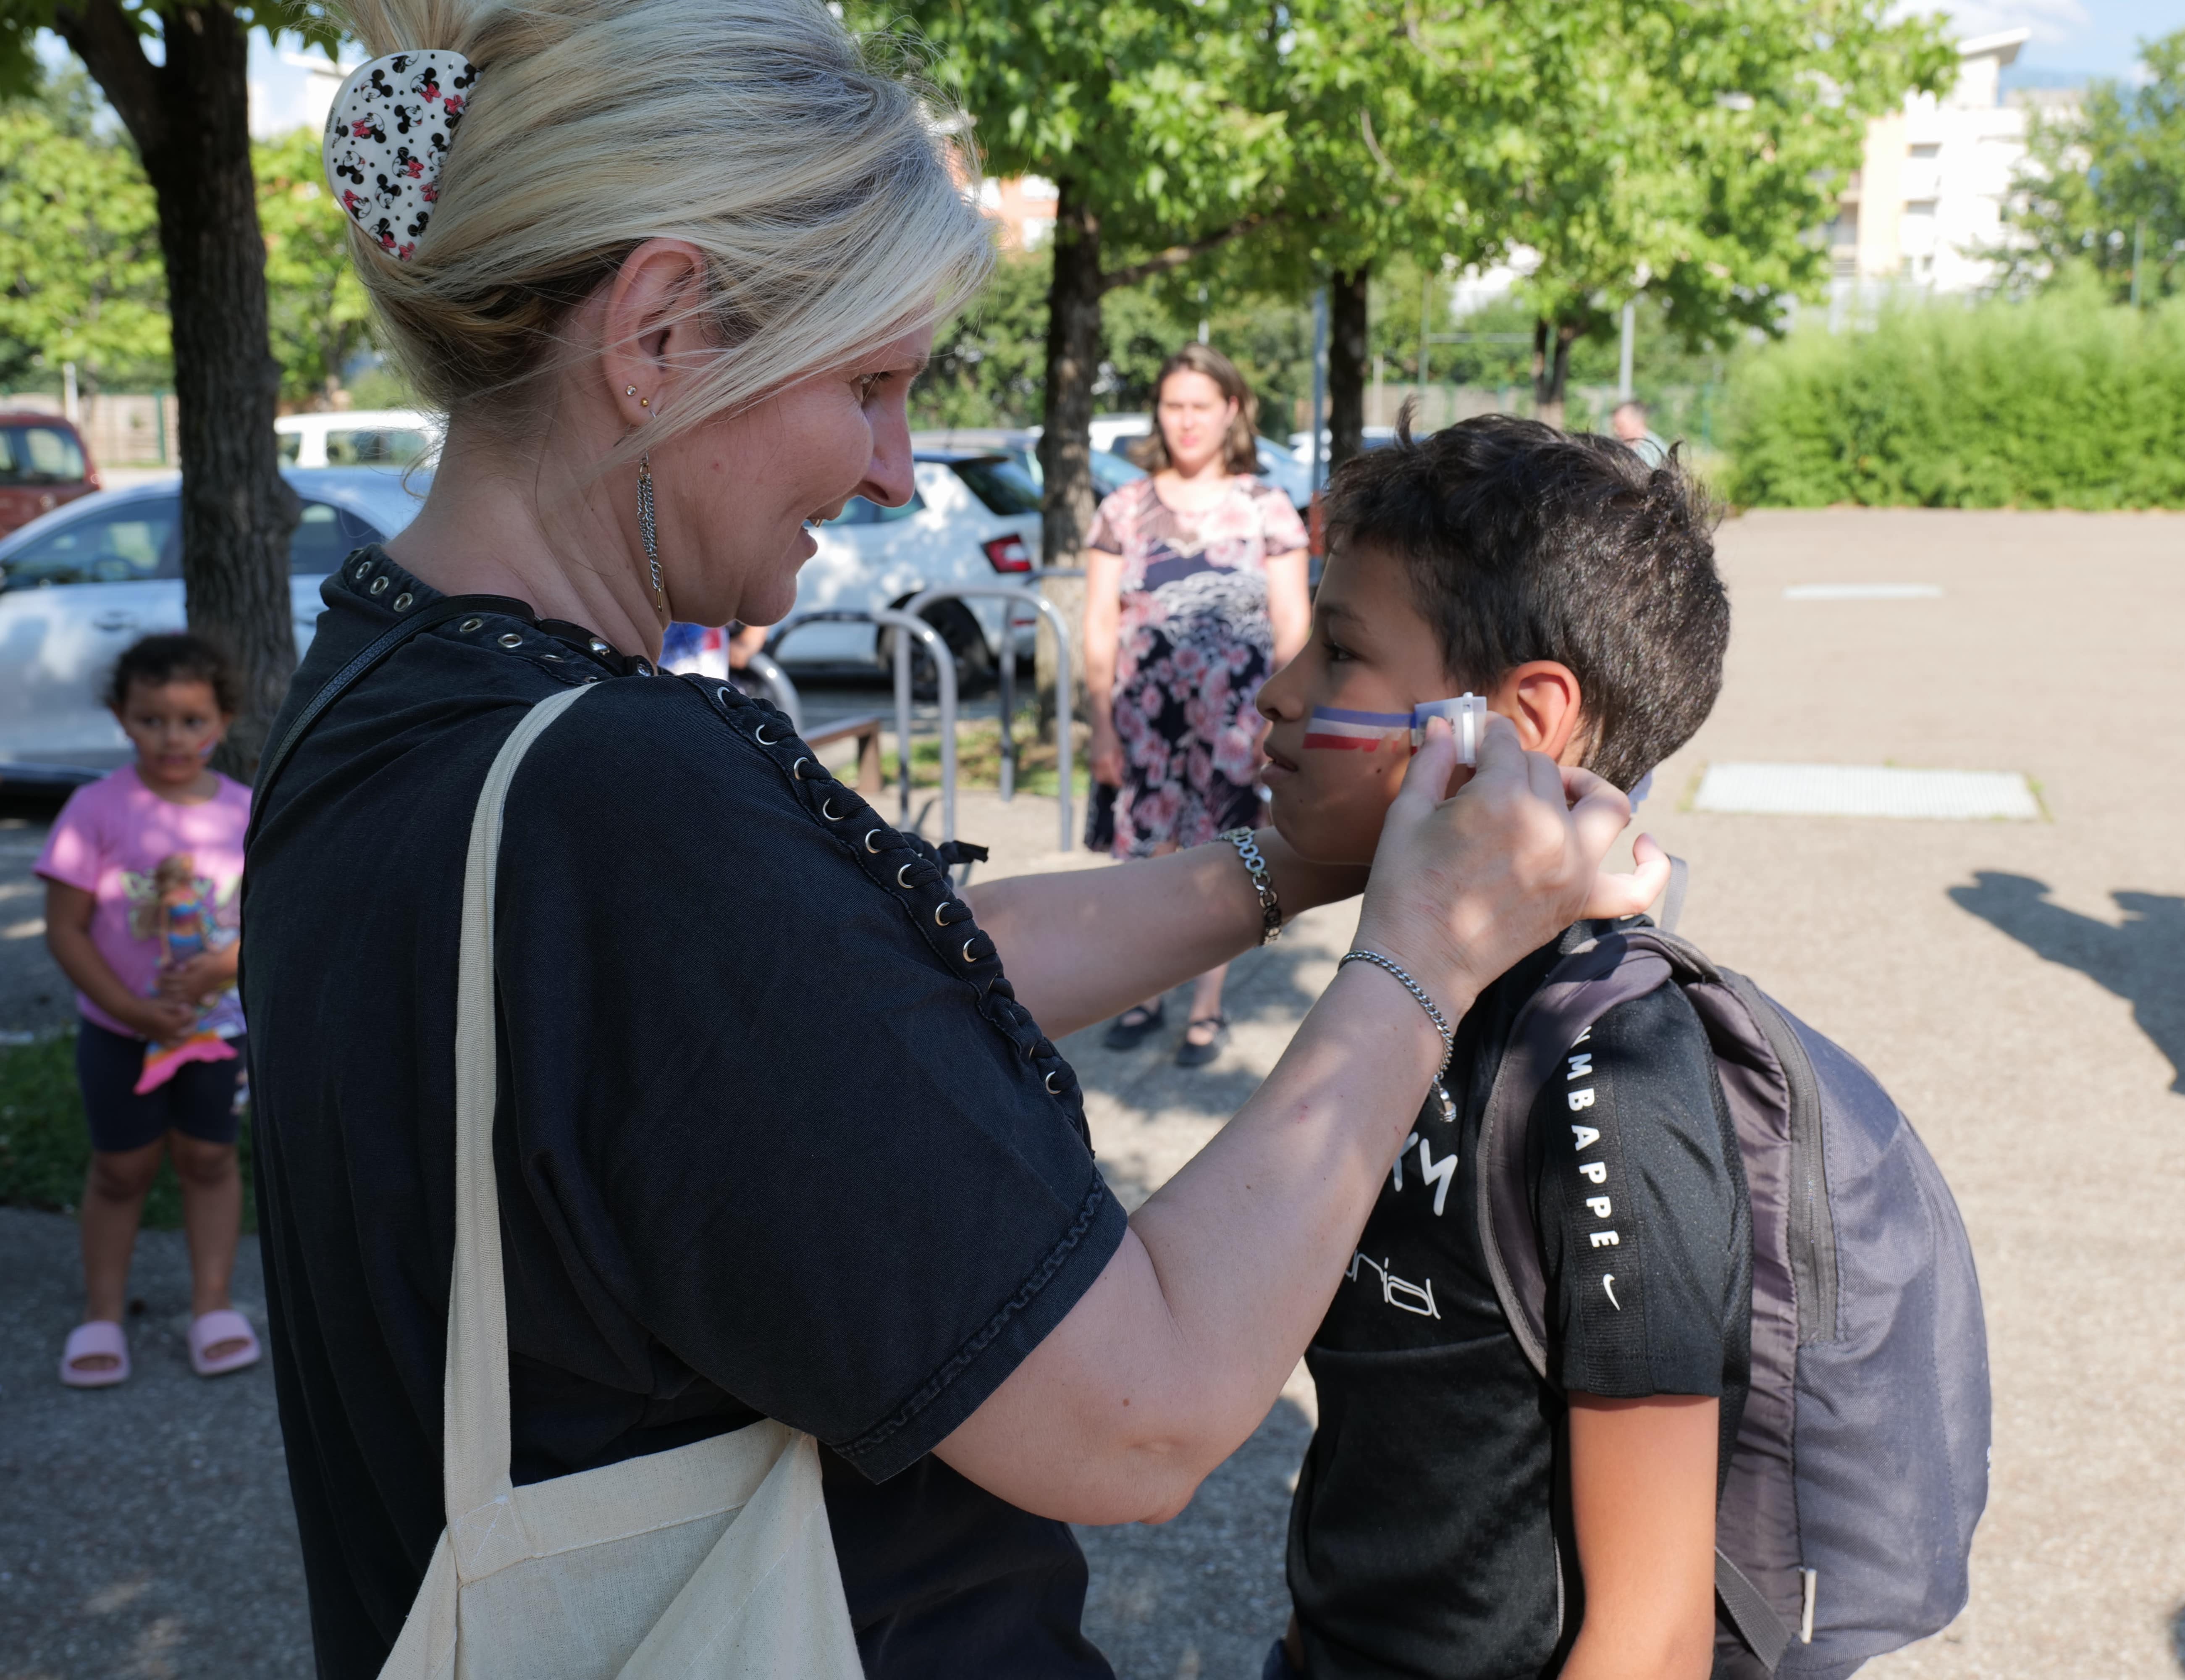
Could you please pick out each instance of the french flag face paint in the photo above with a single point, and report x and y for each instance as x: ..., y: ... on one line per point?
x: 1331, y: 727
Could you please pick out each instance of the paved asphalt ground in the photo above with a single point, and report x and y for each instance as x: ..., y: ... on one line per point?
x: 2020, y: 986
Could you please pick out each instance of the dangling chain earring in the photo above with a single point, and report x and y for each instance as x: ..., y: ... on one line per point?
x: 645, y: 525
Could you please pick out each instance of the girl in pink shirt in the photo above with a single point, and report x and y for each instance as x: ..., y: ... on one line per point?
x: 143, y: 870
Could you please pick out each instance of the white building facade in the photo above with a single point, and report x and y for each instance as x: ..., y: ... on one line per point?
x: 1927, y: 204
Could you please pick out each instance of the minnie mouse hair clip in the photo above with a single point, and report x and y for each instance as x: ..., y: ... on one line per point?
x: 386, y: 140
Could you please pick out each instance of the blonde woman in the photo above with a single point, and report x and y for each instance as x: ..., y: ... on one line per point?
x: 1195, y: 595
x: 822, y: 1162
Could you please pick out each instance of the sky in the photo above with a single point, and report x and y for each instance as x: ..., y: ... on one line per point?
x: 2071, y: 38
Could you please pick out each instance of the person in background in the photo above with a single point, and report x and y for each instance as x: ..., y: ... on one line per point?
x: 143, y: 872
x: 1194, y: 595
x: 1629, y: 422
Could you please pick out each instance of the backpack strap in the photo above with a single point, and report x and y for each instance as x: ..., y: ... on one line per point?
x: 1755, y: 1621
x: 1581, y: 988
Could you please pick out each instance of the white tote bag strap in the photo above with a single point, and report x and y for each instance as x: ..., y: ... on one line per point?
x: 474, y: 1435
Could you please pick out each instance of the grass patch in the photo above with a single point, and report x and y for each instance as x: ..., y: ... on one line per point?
x: 45, y: 1149
x: 979, y: 759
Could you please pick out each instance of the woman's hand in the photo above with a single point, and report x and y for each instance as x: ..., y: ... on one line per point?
x: 1105, y: 754
x: 1462, y: 888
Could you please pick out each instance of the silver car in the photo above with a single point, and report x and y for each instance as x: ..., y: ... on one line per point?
x: 80, y: 583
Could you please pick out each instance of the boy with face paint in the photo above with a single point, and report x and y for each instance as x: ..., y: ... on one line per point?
x: 1457, y: 1514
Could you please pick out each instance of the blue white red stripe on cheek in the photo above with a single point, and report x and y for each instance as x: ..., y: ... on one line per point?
x: 1343, y: 731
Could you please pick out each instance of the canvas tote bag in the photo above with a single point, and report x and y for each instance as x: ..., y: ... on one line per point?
x: 713, y: 1559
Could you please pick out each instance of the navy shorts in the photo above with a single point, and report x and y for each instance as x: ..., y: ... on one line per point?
x: 199, y: 1102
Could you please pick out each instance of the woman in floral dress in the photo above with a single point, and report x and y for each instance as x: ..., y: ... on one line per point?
x: 1194, y: 595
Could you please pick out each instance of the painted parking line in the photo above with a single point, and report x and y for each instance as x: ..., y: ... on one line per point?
x: 1865, y: 591
x: 1867, y: 790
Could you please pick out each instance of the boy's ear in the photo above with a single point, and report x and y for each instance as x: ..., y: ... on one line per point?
x: 1542, y: 698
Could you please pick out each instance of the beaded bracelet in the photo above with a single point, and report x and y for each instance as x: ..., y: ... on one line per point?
x: 1426, y: 1003
x: 1270, y: 907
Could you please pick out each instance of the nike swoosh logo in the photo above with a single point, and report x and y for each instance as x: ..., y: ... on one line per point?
x: 1608, y: 1283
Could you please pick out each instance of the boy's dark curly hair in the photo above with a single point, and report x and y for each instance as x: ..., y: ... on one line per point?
x: 178, y: 657
x: 1528, y: 543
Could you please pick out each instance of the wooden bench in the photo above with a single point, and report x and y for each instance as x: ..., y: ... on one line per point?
x: 866, y: 731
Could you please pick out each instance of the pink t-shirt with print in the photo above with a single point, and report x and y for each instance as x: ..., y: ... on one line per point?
x: 175, y: 872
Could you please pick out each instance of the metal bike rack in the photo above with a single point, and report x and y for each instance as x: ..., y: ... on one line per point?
x: 778, y: 688
x: 1013, y: 599
x: 944, y: 670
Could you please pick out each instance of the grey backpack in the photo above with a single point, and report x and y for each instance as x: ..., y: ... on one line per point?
x: 1861, y: 1466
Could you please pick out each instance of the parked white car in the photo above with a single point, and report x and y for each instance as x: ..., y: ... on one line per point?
x: 974, y: 518
x: 1115, y: 433
x: 80, y: 583
x: 362, y: 437
x: 1373, y: 437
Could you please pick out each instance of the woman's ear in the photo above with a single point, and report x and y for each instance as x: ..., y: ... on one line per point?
x: 652, y: 325
x: 1542, y: 698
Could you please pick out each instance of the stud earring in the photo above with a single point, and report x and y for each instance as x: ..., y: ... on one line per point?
x: 629, y: 390
x: 646, y: 531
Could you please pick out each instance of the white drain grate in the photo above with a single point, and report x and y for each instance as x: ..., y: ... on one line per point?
x: 1874, y: 591
x: 1866, y: 791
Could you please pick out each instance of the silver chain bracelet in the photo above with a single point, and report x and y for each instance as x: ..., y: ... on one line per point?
x: 1441, y: 1023
x: 1270, y: 907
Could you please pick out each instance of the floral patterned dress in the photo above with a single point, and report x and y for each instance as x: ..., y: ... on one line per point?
x: 1196, y: 643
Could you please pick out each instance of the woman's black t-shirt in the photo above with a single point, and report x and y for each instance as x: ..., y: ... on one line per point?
x: 774, y: 1137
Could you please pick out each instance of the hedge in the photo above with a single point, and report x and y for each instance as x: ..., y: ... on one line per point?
x: 2060, y: 401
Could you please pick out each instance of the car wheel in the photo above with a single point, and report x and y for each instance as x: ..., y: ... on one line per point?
x: 974, y: 660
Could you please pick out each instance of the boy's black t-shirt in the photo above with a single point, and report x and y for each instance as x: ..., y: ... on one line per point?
x: 1431, y: 1534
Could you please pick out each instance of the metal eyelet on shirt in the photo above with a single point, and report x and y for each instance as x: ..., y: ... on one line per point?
x: 469, y: 624
x: 555, y: 657
x: 797, y: 769
x: 827, y: 811
x: 939, y: 920
x: 968, y: 943
x: 510, y: 639
x: 1053, y: 1088
x: 870, y: 835
x: 759, y: 735
x: 906, y: 869
x: 643, y: 669
x: 363, y: 571
x: 721, y: 694
x: 599, y: 646
x: 404, y: 601
x: 378, y: 587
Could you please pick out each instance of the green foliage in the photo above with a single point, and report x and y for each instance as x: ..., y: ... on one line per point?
x: 2097, y: 186
x: 45, y: 1149
x: 1153, y: 111
x: 317, y: 311
x: 989, y: 361
x: 2061, y: 401
x: 1690, y: 149
x: 81, y: 274
x: 20, y: 20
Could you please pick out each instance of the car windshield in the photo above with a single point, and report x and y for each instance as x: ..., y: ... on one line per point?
x: 39, y: 455
x: 857, y: 511
x: 292, y: 446
x: 379, y: 446
x: 119, y: 542
x: 1001, y: 483
x: 125, y: 540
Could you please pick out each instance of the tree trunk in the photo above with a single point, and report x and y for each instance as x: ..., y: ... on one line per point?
x: 190, y: 119
x: 1073, y: 363
x: 1065, y: 451
x: 1346, y: 366
x: 1551, y: 345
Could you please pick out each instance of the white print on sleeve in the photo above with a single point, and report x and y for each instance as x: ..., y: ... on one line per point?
x: 1406, y: 1298
x: 1431, y: 1171
x: 1578, y: 1065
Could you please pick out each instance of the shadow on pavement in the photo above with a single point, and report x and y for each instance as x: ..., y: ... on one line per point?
x: 2137, y: 959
